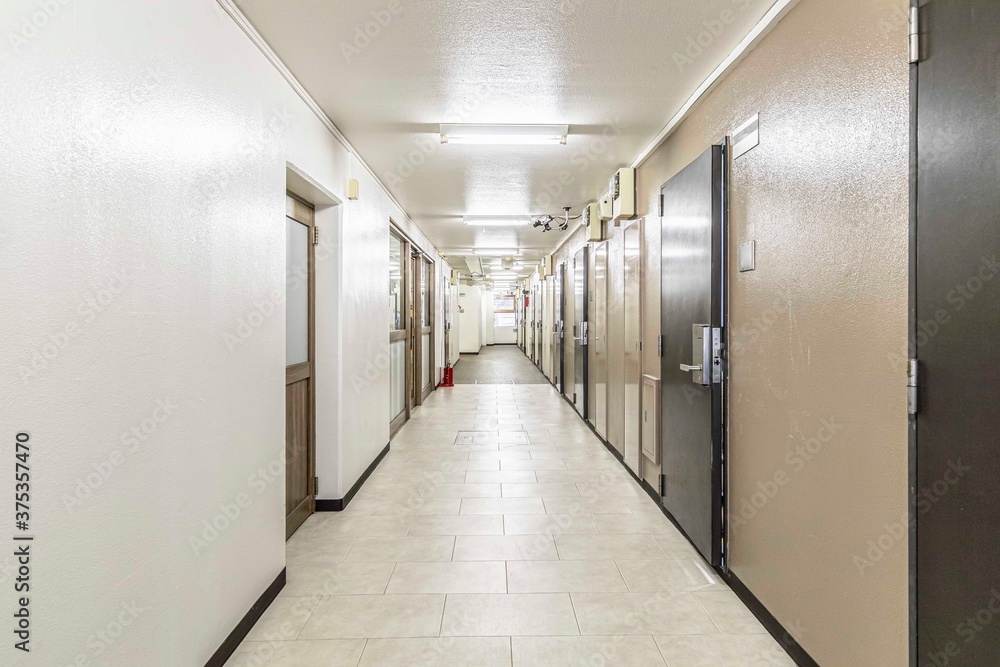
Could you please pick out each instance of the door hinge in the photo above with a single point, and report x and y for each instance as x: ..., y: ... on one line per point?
x: 660, y: 213
x: 659, y: 346
x: 663, y: 486
x: 574, y: 397
x: 315, y: 486
x: 315, y: 235
x: 914, y: 35
x: 912, y: 377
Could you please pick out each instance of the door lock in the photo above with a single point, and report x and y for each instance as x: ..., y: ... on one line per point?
x: 706, y: 355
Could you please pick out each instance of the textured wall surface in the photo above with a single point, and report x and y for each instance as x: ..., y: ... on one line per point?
x: 813, y: 401
x: 142, y: 198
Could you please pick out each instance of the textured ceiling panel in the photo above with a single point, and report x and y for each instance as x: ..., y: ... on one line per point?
x: 389, y: 72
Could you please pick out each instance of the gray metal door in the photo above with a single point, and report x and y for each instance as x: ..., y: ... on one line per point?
x: 955, y: 321
x: 691, y: 375
x: 580, y: 336
x: 559, y: 328
x: 597, y: 372
x: 633, y: 347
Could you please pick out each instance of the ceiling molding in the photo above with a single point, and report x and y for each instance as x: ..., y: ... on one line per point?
x: 244, y: 24
x: 764, y: 26
x: 759, y: 31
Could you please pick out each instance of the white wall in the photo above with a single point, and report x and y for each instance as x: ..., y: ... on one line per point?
x: 142, y: 199
x: 470, y: 301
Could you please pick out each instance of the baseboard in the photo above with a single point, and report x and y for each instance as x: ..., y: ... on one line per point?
x: 770, y: 623
x: 243, y: 628
x: 338, y: 504
x: 756, y: 607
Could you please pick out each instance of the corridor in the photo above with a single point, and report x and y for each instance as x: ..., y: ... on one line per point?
x: 574, y: 333
x: 498, y: 364
x: 500, y: 531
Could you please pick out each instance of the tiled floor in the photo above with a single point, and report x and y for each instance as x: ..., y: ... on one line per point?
x: 498, y: 364
x: 499, y: 551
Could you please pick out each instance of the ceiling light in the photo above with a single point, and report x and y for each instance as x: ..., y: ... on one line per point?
x: 488, y: 221
x: 497, y: 252
x: 505, y: 135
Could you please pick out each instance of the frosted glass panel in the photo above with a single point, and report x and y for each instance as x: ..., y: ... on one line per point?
x: 397, y: 379
x: 395, y: 283
x: 425, y: 362
x: 296, y: 293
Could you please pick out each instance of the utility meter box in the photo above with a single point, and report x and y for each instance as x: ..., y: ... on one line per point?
x: 623, y: 194
x: 606, y: 207
x: 593, y: 222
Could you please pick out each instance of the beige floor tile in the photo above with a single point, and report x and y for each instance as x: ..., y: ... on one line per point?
x: 327, y: 550
x: 585, y: 651
x: 418, y: 506
x: 500, y: 477
x: 590, y: 463
x: 662, y: 613
x: 468, y: 465
x: 570, y: 476
x: 365, y: 616
x: 586, y: 505
x: 502, y: 506
x: 498, y: 455
x: 614, y: 489
x: 607, y: 547
x: 549, y: 524
x: 650, y: 576
x: 450, y: 651
x: 723, y: 651
x: 453, y: 577
x: 504, y: 547
x: 401, y: 549
x: 675, y: 550
x: 646, y: 523
x: 467, y: 491
x: 362, y: 526
x: 314, y: 653
x: 729, y: 613
x: 461, y: 524
x: 507, y: 615
x: 556, y: 464
x: 310, y: 578
x: 539, y: 491
x: 283, y: 620
x: 579, y: 576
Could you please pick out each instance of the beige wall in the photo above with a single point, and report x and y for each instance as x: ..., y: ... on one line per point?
x: 825, y: 198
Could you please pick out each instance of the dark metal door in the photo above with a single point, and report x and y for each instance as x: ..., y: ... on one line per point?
x: 559, y: 328
x: 580, y: 337
x: 955, y: 322
x: 691, y: 375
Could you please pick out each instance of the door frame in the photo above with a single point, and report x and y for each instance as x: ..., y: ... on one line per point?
x: 304, y: 213
x: 720, y: 318
x: 403, y: 334
x: 426, y: 385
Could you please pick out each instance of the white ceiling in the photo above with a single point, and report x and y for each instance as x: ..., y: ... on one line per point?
x: 611, y: 69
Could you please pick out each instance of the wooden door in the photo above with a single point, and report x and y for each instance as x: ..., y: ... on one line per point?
x: 300, y: 398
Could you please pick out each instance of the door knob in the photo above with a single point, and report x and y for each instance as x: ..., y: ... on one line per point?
x: 691, y: 369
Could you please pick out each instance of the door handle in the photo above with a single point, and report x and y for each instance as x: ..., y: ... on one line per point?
x: 691, y: 369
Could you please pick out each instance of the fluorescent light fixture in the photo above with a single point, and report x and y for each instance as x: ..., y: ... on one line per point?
x: 497, y: 252
x: 490, y: 221
x: 505, y: 135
